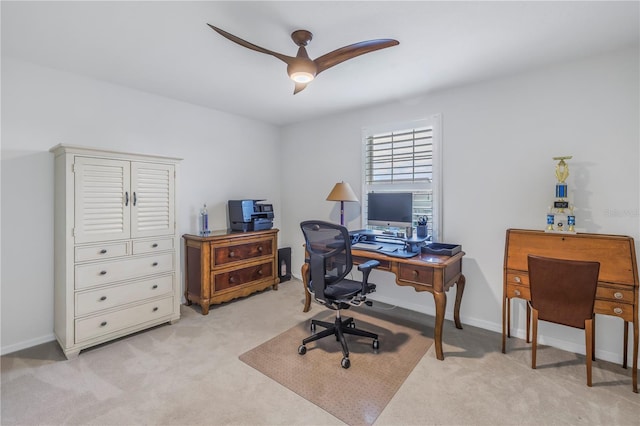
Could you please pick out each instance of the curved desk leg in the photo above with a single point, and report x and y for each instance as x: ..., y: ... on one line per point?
x: 441, y: 304
x: 456, y: 309
x: 304, y: 271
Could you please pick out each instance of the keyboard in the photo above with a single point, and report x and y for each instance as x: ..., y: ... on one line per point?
x: 366, y: 246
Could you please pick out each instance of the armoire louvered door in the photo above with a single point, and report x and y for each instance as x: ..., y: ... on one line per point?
x: 152, y: 210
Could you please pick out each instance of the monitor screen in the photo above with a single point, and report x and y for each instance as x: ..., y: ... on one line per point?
x: 394, y: 209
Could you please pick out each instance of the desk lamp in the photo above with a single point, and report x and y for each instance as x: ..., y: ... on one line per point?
x: 342, y: 192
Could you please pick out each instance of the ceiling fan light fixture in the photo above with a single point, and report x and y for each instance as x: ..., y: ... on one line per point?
x: 301, y: 76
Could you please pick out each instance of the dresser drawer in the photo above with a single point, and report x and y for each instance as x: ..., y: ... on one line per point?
x: 88, y: 302
x: 99, y: 325
x: 107, y: 272
x: 617, y: 309
x: 415, y: 274
x: 152, y: 246
x: 518, y: 291
x: 239, y: 277
x: 223, y: 255
x: 102, y: 251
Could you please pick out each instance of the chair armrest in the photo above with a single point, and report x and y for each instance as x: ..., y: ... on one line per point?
x: 368, y: 265
x: 366, y: 268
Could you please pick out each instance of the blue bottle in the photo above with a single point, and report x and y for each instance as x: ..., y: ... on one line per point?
x: 204, y: 221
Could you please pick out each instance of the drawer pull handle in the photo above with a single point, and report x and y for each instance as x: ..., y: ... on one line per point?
x: 103, y: 323
x: 154, y: 286
x: 260, y: 249
x: 517, y: 292
x: 232, y: 254
x: 103, y: 251
x: 103, y: 298
x: 103, y: 272
x: 155, y: 309
x: 517, y: 279
x: 155, y: 264
x: 414, y: 273
x: 617, y: 295
x: 232, y: 279
x: 617, y: 311
x: 154, y: 245
x: 259, y: 271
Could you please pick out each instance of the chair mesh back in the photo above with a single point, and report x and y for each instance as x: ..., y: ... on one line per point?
x: 329, y: 251
x: 563, y: 291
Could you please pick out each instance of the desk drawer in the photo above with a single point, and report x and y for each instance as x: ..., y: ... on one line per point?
x: 616, y: 309
x: 385, y: 265
x: 415, y: 274
x: 519, y: 278
x: 238, y: 253
x: 239, y: 277
x: 518, y: 291
x: 622, y: 295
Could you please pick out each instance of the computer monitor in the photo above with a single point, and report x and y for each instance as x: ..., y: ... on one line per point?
x: 391, y: 209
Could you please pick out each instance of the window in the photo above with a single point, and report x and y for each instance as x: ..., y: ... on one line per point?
x: 405, y: 157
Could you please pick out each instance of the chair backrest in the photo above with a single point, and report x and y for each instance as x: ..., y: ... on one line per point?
x: 329, y: 249
x: 563, y: 291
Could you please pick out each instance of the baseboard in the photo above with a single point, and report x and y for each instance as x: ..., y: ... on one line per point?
x: 27, y: 344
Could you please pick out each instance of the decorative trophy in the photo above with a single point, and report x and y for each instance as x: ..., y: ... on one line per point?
x: 557, y: 219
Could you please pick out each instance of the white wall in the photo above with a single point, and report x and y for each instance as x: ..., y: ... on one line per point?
x: 499, y: 138
x: 225, y: 157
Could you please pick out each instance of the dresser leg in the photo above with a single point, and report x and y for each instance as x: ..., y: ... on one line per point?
x: 441, y: 304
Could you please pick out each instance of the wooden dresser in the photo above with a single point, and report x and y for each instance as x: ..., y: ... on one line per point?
x: 116, y: 255
x: 617, y: 293
x: 227, y: 265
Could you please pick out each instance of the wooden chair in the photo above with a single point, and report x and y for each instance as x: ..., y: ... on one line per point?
x: 563, y: 292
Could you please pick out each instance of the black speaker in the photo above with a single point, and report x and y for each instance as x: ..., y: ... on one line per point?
x: 284, y: 264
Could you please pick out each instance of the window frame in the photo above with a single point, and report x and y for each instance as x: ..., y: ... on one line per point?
x: 435, y: 123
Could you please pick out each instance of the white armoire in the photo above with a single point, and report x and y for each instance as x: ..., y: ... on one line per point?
x: 117, y: 264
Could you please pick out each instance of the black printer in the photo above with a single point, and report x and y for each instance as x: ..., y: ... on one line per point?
x: 250, y: 215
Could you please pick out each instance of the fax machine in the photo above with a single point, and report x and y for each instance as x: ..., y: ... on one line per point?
x: 249, y: 215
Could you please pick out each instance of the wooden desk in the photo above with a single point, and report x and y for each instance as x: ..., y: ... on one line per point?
x: 424, y: 272
x: 617, y: 292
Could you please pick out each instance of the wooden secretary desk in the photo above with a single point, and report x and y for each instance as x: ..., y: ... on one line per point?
x: 617, y: 292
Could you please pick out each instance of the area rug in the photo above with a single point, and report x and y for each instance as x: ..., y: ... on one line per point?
x: 356, y: 395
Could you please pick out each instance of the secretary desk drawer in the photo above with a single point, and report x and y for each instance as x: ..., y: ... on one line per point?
x: 98, y: 325
x: 108, y: 297
x: 106, y: 272
x: 621, y: 310
x: 221, y: 255
x: 415, y: 274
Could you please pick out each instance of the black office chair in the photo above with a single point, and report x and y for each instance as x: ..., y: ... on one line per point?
x: 563, y: 292
x: 329, y: 249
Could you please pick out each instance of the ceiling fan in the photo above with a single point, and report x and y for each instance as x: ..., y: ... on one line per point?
x: 301, y: 69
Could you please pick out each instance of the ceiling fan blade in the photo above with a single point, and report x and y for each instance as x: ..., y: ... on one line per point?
x: 286, y: 59
x: 348, y: 52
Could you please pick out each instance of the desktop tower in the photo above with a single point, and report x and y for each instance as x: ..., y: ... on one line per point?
x: 284, y: 264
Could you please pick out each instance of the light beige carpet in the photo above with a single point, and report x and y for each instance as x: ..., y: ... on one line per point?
x: 356, y: 395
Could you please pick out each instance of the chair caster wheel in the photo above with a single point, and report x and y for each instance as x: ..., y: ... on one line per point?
x: 302, y: 349
x: 376, y: 344
x: 352, y: 325
x: 345, y: 362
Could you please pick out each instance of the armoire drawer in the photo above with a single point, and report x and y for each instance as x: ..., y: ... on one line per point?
x: 102, y: 251
x: 239, y: 277
x: 223, y: 255
x: 94, y: 274
x: 152, y: 246
x: 88, y: 302
x: 99, y: 325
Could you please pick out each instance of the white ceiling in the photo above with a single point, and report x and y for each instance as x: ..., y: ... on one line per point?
x: 166, y: 47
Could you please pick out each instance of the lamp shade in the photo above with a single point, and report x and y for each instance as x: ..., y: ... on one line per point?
x: 342, y: 192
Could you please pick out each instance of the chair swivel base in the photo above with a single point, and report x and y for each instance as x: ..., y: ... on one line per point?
x: 338, y: 329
